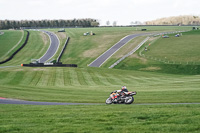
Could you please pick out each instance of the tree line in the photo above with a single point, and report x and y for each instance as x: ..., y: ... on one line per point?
x: 16, y: 24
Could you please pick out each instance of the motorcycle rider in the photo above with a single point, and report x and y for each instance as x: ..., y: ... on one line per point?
x: 116, y: 94
x: 124, y: 89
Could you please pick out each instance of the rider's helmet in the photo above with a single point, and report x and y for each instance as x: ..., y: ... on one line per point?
x: 123, y: 87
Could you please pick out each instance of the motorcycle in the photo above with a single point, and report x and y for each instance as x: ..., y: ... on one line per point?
x: 126, y: 98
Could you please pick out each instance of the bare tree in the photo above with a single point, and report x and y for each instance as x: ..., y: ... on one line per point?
x: 115, y: 23
x: 108, y: 23
x: 132, y: 23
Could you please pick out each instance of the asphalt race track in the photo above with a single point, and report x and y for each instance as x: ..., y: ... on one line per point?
x: 106, y: 55
x: 13, y: 101
x: 54, y: 45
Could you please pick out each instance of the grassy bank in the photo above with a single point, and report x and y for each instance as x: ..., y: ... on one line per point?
x: 37, y: 45
x: 94, y: 85
x: 82, y: 50
x: 177, y: 50
x: 10, y: 40
x: 100, y: 118
x: 175, y: 55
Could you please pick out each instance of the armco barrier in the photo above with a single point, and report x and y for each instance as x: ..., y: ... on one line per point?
x: 17, y: 50
x: 61, y: 53
x: 49, y: 65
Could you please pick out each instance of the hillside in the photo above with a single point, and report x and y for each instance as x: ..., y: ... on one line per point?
x: 164, y: 102
x: 82, y: 50
x: 37, y: 45
x: 177, y: 55
x: 176, y: 20
x: 9, y: 42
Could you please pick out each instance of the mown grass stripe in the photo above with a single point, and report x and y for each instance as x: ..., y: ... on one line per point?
x: 67, y: 78
x: 74, y: 77
x: 17, y: 78
x: 35, y: 89
x: 103, y: 80
x: 3, y: 75
x: 25, y: 93
x: 88, y: 78
x: 44, y: 78
x: 52, y: 77
x: 81, y: 77
x: 9, y: 78
x: 132, y: 80
x: 123, y: 79
x: 36, y: 78
x: 109, y: 80
x: 28, y: 77
x: 114, y: 79
x: 59, y: 81
x: 94, y: 77
x: 39, y: 77
x: 138, y: 79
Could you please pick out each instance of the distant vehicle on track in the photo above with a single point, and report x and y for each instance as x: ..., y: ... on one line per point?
x: 177, y: 35
x: 165, y: 36
x: 61, y: 30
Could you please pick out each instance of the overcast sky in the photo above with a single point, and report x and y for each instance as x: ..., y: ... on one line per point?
x: 122, y: 11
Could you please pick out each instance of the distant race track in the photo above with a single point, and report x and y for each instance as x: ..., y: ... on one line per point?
x: 54, y: 45
x: 106, y: 55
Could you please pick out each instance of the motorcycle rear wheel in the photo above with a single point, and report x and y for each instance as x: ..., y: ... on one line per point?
x: 129, y: 100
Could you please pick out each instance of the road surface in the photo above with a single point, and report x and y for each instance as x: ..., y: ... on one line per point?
x: 106, y: 55
x: 54, y: 45
x: 14, y: 101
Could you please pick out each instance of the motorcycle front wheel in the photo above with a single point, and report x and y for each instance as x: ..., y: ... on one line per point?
x: 129, y: 100
x: 109, y: 101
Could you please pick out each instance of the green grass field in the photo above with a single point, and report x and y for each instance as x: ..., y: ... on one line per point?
x: 93, y: 85
x: 175, y: 55
x: 82, y: 50
x: 182, y: 49
x: 9, y: 40
x: 37, y: 45
x: 100, y: 118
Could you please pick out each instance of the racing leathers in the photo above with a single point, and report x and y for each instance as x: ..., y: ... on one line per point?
x: 116, y: 94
